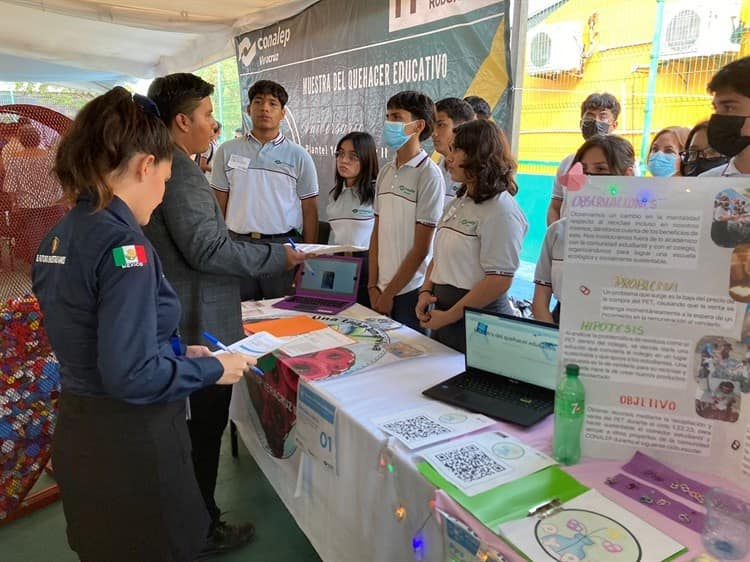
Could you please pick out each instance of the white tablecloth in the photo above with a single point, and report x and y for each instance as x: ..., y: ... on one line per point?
x: 351, y: 516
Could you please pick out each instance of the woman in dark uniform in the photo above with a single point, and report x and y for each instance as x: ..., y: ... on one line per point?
x: 121, y: 449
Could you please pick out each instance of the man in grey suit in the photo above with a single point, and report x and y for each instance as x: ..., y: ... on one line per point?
x: 205, y: 267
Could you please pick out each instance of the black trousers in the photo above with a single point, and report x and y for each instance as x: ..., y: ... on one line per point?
x: 267, y: 286
x: 127, y: 484
x: 209, y: 415
x: 404, y: 310
x: 454, y: 335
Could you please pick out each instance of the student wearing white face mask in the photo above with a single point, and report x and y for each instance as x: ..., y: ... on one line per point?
x: 664, y: 153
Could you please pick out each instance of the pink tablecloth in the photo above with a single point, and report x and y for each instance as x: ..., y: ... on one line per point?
x: 592, y: 473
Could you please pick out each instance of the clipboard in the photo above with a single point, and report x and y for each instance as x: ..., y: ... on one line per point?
x: 513, y: 500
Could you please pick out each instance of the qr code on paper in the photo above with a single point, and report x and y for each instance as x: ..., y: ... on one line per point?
x: 469, y: 463
x: 416, y: 428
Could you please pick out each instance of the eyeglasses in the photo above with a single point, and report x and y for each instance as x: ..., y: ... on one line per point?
x: 147, y: 105
x: 351, y: 156
x: 693, y: 155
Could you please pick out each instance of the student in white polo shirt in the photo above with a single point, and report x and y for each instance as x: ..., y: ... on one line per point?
x: 267, y: 186
x: 729, y: 126
x: 450, y: 113
x: 478, y: 242
x: 349, y: 208
x: 408, y: 205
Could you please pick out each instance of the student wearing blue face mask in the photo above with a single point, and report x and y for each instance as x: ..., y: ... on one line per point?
x: 408, y: 204
x: 664, y: 153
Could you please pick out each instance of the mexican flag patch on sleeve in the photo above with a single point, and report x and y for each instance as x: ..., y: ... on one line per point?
x: 130, y: 256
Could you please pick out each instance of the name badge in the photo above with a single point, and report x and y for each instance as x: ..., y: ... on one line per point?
x: 238, y: 162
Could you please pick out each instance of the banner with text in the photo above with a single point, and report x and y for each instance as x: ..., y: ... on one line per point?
x: 341, y: 62
x: 655, y: 311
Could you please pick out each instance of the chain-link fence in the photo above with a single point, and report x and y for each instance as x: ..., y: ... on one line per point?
x: 577, y: 47
x: 226, y: 99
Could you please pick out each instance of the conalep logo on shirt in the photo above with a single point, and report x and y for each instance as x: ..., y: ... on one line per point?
x: 130, y: 256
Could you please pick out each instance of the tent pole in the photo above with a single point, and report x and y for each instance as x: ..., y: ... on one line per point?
x: 518, y: 58
x: 219, y: 96
x: 653, y: 69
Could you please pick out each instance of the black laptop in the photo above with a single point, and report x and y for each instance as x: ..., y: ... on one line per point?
x: 511, y: 368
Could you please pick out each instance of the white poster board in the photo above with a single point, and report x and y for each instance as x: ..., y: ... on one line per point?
x: 647, y: 314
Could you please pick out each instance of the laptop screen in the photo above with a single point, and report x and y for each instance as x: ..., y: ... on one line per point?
x: 513, y: 347
x: 336, y: 277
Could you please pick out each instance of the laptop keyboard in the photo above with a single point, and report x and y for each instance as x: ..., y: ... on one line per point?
x: 314, y: 301
x: 502, y: 389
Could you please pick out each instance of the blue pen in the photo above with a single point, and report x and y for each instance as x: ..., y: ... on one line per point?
x: 214, y: 340
x: 307, y: 265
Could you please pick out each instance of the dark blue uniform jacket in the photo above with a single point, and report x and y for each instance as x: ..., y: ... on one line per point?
x: 109, y: 311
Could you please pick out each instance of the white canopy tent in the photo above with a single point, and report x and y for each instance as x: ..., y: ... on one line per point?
x: 97, y: 43
x: 76, y: 41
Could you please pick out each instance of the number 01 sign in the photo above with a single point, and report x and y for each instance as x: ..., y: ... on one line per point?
x: 316, y: 425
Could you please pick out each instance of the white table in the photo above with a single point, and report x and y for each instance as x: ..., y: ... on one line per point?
x: 351, y: 516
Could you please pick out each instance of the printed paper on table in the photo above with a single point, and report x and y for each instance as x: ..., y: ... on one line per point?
x: 431, y: 424
x: 478, y: 463
x: 589, y: 527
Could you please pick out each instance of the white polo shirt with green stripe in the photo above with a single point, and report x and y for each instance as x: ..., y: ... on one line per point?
x: 405, y: 196
x: 265, y: 183
x: 474, y: 240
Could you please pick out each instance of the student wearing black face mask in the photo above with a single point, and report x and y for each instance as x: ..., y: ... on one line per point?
x: 601, y: 155
x: 729, y: 126
x: 599, y: 113
x: 699, y: 156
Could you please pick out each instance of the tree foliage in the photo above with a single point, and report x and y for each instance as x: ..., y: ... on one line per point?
x: 230, y: 111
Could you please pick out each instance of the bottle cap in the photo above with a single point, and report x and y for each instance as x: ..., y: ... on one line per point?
x: 571, y: 369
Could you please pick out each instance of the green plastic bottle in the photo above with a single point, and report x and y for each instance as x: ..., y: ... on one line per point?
x: 570, y: 397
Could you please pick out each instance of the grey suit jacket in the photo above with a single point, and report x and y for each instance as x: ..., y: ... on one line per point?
x: 200, y: 260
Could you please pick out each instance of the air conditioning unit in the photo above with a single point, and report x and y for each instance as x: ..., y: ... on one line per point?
x: 699, y: 28
x: 554, y: 48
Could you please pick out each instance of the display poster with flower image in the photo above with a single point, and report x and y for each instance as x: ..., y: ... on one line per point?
x: 273, y: 396
x: 656, y: 314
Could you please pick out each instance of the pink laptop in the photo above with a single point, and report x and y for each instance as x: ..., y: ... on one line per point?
x: 325, y: 285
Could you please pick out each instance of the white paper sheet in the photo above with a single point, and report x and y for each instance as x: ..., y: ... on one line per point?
x: 478, y: 463
x: 258, y: 344
x: 590, y: 527
x: 325, y: 249
x: 431, y: 424
x: 319, y: 340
